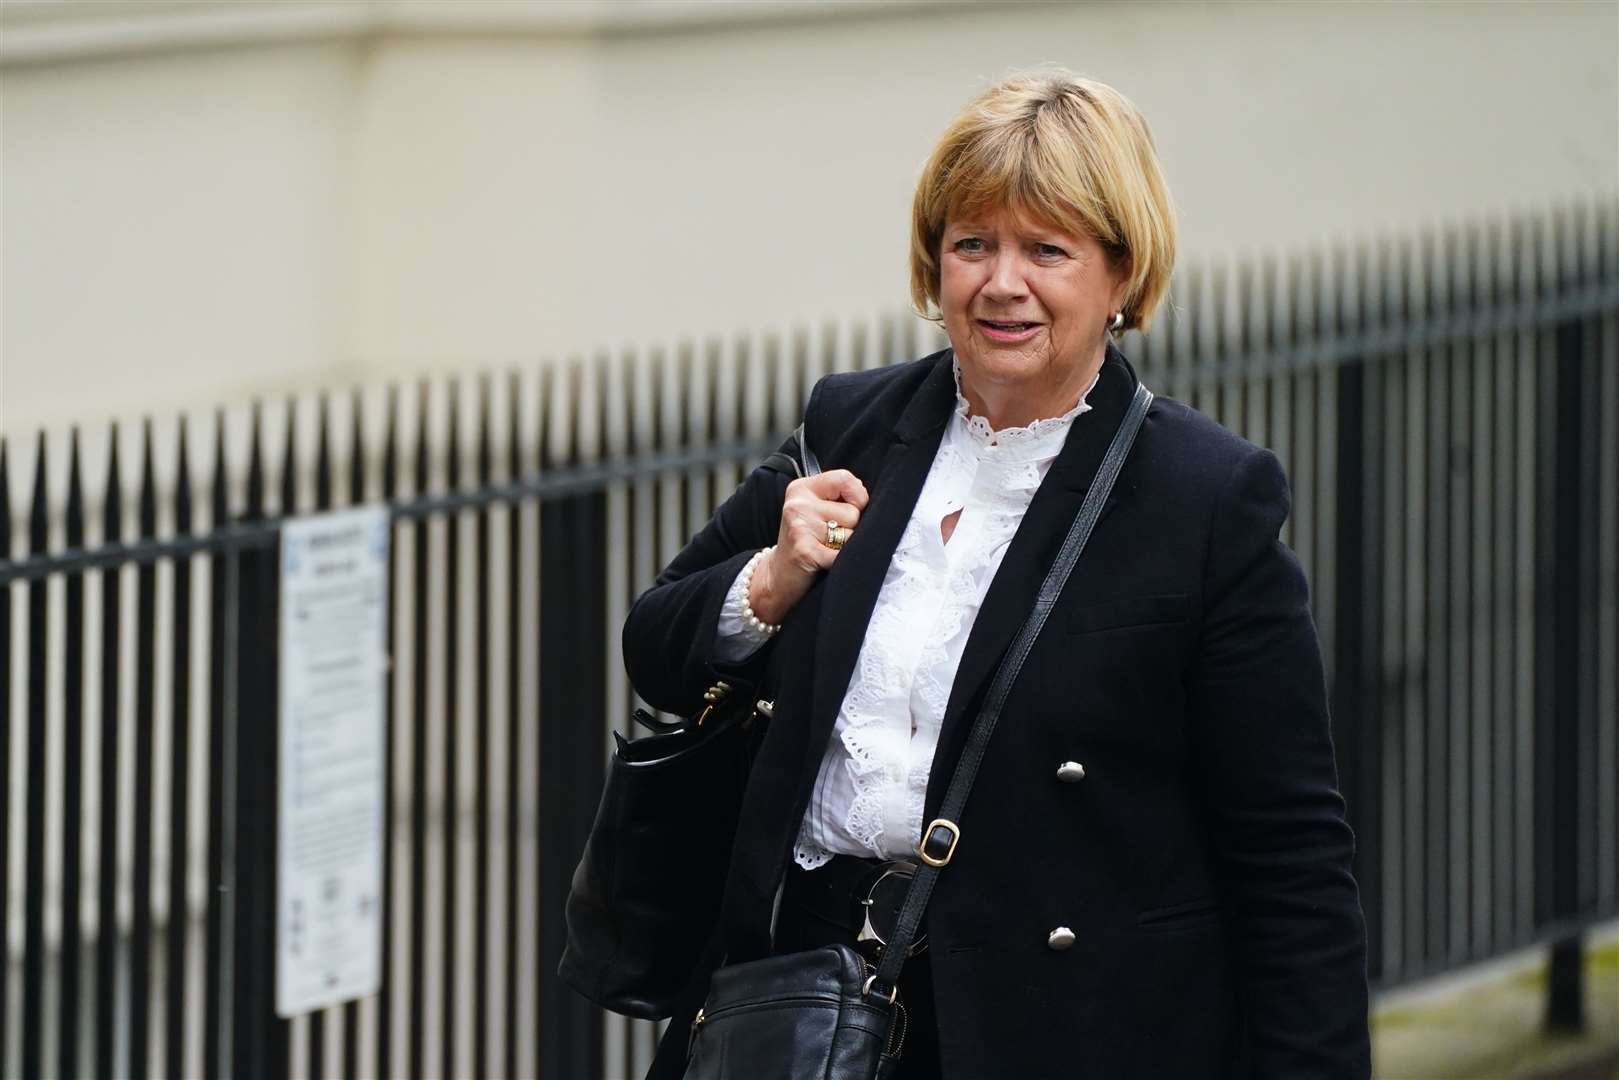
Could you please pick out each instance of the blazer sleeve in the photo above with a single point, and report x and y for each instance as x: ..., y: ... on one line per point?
x: 1282, y: 845
x: 670, y: 635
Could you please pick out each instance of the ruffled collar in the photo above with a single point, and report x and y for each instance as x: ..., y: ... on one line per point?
x: 1039, y: 440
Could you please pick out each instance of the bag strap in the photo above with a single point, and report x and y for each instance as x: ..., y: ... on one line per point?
x: 783, y: 462
x: 779, y: 461
x: 812, y: 465
x: 940, y: 838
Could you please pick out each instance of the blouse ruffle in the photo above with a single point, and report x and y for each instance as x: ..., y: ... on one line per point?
x: 869, y: 793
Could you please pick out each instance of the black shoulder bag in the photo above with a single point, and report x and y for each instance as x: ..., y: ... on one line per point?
x: 825, y: 1012
x: 645, y: 897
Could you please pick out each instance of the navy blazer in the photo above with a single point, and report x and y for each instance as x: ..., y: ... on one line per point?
x: 1203, y: 861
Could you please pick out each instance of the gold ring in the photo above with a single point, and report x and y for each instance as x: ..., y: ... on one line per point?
x: 836, y: 535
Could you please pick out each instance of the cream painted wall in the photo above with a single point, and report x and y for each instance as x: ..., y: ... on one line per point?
x: 173, y: 230
x: 244, y: 211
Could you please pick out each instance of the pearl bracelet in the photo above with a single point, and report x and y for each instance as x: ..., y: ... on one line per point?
x: 747, y: 606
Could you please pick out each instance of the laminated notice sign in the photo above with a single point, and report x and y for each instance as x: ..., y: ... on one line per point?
x: 334, y: 599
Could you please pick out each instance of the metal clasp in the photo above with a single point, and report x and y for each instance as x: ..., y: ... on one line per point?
x: 941, y: 834
x: 865, y: 991
x: 887, y: 896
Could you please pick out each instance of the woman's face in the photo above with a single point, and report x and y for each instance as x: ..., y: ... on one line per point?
x: 1026, y: 307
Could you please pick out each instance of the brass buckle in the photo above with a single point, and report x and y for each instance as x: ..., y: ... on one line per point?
x: 934, y: 826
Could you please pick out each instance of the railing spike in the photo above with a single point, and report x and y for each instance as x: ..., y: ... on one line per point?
x: 1587, y: 217
x: 1562, y: 235
x: 73, y: 513
x: 544, y: 392
x: 423, y: 400
x: 1516, y: 269
x: 1271, y: 332
x: 1353, y: 285
x: 39, y: 515
x: 289, y: 462
x: 182, y: 483
x: 1608, y: 240
x: 1400, y: 279
x: 323, y: 455
x: 514, y: 463
x: 148, y: 492
x: 452, y: 450
x: 485, y: 452
x: 255, y: 466
x: 390, y: 447
x: 1242, y: 293
x: 112, y: 503
x: 219, y: 508
x: 1469, y: 240
x: 356, y: 448
x: 1489, y: 262
x: 1339, y: 261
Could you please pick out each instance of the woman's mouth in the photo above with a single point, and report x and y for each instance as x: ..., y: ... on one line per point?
x: 1006, y: 330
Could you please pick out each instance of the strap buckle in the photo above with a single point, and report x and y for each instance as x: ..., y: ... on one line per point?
x: 865, y: 991
x: 939, y: 842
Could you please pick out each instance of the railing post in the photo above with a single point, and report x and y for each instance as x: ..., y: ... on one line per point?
x: 1565, y: 987
x: 573, y: 701
x: 1357, y: 720
x: 259, y: 1037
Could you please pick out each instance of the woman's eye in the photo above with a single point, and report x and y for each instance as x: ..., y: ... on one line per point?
x: 970, y: 245
x: 1050, y: 252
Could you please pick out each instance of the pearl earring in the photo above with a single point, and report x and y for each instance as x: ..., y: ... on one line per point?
x: 1116, y: 322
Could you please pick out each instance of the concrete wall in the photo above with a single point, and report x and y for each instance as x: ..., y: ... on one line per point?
x: 210, y: 201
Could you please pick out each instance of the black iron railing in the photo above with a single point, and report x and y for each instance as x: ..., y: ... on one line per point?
x: 1447, y: 407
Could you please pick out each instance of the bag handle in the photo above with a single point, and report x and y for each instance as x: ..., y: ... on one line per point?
x: 783, y: 462
x: 940, y: 837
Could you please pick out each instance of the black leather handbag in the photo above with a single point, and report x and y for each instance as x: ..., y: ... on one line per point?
x: 645, y: 897
x: 805, y: 1014
x: 825, y: 1012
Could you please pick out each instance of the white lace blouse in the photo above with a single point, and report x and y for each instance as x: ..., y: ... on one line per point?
x: 868, y: 795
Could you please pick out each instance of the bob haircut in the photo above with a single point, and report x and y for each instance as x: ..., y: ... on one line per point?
x: 1065, y: 151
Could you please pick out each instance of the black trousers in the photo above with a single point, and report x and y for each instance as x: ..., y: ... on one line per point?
x: 818, y: 907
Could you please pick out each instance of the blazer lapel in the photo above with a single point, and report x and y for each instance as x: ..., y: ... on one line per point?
x: 852, y: 585
x: 1034, y: 546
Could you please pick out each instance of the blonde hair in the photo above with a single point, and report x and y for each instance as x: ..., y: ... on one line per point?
x: 1067, y: 151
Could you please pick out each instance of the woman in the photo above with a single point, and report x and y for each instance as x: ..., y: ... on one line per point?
x: 1153, y: 877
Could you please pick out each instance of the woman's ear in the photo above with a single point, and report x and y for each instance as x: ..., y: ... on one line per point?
x: 1120, y: 272
x: 1121, y: 293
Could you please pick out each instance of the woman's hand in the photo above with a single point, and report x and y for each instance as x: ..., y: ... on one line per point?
x: 801, y: 552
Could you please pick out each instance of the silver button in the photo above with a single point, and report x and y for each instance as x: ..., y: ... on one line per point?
x: 1070, y: 771
x: 1060, y: 938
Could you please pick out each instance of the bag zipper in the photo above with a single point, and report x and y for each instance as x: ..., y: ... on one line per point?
x: 896, y: 1034
x: 704, y: 1016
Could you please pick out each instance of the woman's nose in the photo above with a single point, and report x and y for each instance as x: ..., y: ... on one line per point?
x: 1006, y: 277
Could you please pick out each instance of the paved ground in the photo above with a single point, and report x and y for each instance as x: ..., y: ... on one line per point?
x: 1491, y: 1030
